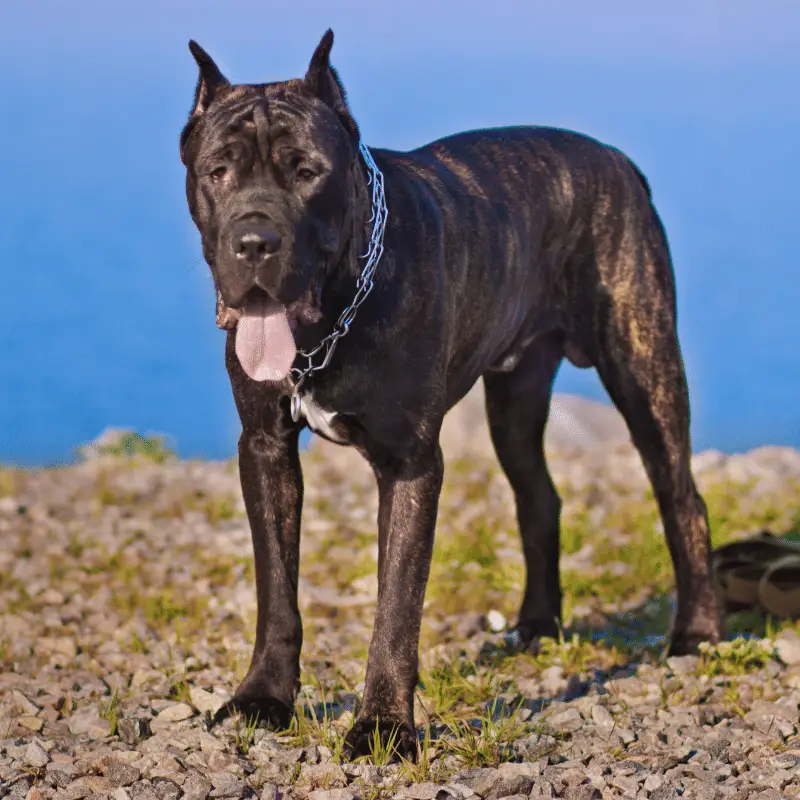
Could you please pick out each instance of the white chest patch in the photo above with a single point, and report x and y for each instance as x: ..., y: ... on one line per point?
x: 318, y: 419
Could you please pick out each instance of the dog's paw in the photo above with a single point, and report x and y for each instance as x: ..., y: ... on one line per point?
x: 268, y: 711
x: 688, y: 644
x: 369, y: 735
x: 525, y: 635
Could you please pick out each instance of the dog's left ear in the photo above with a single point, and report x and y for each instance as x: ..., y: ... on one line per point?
x: 209, y: 82
x: 323, y: 82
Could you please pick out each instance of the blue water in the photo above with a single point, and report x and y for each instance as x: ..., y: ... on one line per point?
x: 107, y: 310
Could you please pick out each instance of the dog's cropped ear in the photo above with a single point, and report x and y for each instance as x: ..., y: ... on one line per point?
x: 323, y: 82
x: 209, y: 82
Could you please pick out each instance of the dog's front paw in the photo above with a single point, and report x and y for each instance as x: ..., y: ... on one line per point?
x: 688, y: 644
x: 268, y: 711
x: 371, y: 737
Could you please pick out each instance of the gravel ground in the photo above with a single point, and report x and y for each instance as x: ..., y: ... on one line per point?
x: 127, y: 608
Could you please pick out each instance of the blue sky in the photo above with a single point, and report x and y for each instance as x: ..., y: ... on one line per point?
x: 108, y: 315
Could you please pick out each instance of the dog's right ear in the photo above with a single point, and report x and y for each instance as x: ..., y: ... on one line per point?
x: 209, y: 82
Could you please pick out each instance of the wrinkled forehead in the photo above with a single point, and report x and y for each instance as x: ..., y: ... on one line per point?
x: 274, y: 114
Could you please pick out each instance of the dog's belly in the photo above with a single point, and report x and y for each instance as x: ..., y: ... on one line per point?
x: 321, y: 421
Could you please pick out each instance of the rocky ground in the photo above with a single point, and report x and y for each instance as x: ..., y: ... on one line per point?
x: 127, y: 610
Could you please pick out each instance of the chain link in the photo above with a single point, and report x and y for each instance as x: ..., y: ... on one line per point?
x: 363, y: 285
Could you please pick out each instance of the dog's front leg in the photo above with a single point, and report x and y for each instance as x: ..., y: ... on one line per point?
x: 272, y: 486
x: 409, y: 498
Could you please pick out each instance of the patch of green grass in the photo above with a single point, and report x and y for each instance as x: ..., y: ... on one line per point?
x: 459, y: 683
x: 134, y: 445
x: 179, y: 691
x: 467, y: 573
x: 382, y: 750
x: 310, y: 726
x: 736, y: 657
x: 109, y: 710
x: 487, y: 742
x: 427, y: 767
x: 244, y: 733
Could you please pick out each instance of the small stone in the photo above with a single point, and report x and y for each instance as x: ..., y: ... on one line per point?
x: 328, y: 776
x: 205, y: 702
x: 420, y: 791
x: 166, y: 789
x: 96, y: 783
x: 481, y: 779
x: 628, y: 786
x: 133, y: 730
x: 683, y: 665
x: 142, y: 790
x: 269, y: 791
x: 176, y: 713
x: 226, y: 785
x: 121, y: 774
x: 23, y: 704
x: 197, y: 787
x: 496, y: 621
x: 602, y: 718
x: 73, y: 792
x: 653, y: 781
x: 120, y: 793
x: 626, y: 735
x: 787, y: 646
x: 327, y: 794
x: 583, y: 792
x: 34, y: 794
x: 31, y: 723
x: 87, y: 721
x: 459, y: 790
x: 36, y: 756
x: 567, y: 720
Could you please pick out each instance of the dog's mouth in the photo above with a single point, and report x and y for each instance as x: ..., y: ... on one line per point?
x: 265, y: 328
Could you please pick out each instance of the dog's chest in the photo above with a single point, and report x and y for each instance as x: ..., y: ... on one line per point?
x: 321, y: 421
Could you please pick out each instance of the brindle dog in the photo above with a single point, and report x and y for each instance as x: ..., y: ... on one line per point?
x: 506, y: 250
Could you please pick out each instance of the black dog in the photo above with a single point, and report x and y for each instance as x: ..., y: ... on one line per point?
x: 506, y: 250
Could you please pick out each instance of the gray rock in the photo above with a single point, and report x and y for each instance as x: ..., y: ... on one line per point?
x: 119, y: 773
x: 205, y: 702
x: 166, y: 789
x: 133, y: 730
x: 88, y: 722
x: 787, y: 645
x: 602, y: 718
x: 583, y: 792
x: 36, y: 756
x: 567, y: 720
x: 175, y: 713
x: 198, y: 787
x: 421, y: 791
x: 327, y: 794
x: 481, y: 779
x: 226, y: 785
x: 683, y: 665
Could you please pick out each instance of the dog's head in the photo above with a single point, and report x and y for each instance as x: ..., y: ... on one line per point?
x: 270, y: 180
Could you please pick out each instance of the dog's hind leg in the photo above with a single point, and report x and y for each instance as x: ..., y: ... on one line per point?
x: 637, y: 355
x: 517, y: 404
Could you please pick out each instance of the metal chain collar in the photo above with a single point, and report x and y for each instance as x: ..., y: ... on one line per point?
x: 363, y: 285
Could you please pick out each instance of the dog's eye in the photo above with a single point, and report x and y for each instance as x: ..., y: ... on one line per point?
x: 305, y: 174
x: 218, y: 174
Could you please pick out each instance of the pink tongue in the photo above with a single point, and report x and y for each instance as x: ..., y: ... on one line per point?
x: 264, y: 343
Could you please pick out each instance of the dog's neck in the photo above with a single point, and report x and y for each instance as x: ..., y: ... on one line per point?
x: 346, y: 266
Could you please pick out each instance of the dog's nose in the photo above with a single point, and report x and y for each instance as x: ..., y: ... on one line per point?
x: 254, y: 246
